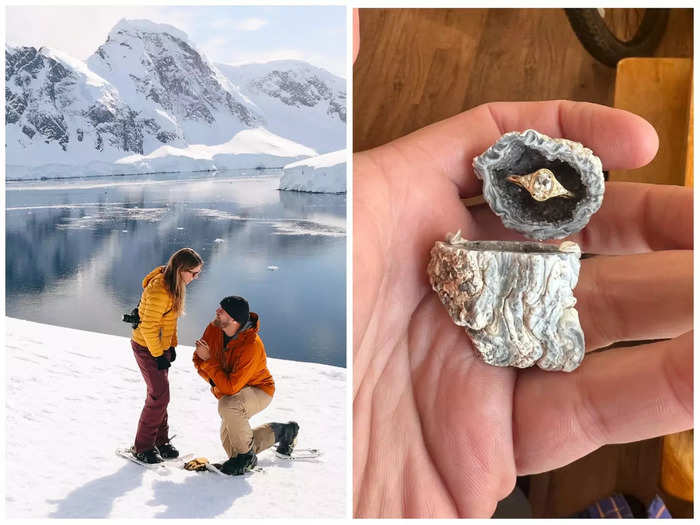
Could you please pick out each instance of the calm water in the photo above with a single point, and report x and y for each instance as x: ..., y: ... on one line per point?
x: 77, y: 250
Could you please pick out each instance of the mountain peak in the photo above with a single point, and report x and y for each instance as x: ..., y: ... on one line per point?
x: 147, y: 86
x: 136, y: 27
x: 160, y: 72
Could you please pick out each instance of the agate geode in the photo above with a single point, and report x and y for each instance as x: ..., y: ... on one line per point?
x: 575, y: 167
x: 514, y: 299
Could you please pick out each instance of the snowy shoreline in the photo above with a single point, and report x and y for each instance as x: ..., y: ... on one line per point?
x: 73, y: 397
x: 104, y: 176
x: 321, y: 174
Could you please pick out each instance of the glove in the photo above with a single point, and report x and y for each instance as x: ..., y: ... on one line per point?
x: 197, y: 464
x: 162, y: 362
x: 172, y: 353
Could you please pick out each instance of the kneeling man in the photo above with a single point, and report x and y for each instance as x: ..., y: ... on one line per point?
x: 231, y: 357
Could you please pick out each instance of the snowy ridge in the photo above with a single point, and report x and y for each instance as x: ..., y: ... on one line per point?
x: 322, y: 174
x: 78, y: 66
x: 50, y: 105
x: 299, y: 100
x: 155, y: 66
x: 82, y: 393
x: 321, y: 161
x: 250, y: 148
x: 146, y: 26
x: 251, y: 141
x: 148, y: 87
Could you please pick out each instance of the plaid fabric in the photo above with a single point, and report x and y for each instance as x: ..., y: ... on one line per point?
x: 657, y: 509
x: 616, y: 506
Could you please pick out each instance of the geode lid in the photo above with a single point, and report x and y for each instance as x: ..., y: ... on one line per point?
x: 544, y: 188
x: 514, y: 299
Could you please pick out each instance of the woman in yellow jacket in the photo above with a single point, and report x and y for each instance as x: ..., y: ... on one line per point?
x: 154, y: 342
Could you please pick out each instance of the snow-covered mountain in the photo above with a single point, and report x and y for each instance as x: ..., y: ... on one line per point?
x: 148, y: 87
x: 54, y: 104
x: 300, y: 101
x: 158, y: 70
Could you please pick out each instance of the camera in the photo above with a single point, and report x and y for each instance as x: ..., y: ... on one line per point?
x: 132, y: 317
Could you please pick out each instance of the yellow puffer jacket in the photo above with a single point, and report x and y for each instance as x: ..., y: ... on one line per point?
x: 158, y: 328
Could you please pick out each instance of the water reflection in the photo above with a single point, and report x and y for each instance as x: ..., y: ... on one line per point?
x: 76, y: 252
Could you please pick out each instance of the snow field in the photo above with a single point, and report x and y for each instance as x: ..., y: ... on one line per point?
x: 73, y: 397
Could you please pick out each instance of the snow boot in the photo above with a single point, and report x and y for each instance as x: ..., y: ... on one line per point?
x: 167, y: 451
x: 240, y: 464
x: 148, y: 456
x: 285, y: 436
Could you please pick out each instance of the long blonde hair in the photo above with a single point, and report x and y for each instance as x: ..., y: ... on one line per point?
x: 182, y: 260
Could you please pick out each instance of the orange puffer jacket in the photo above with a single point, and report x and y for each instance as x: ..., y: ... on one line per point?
x: 242, y: 363
x: 158, y: 328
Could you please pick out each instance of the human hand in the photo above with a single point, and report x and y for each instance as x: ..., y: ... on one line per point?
x: 173, y: 354
x: 437, y: 432
x: 162, y: 362
x: 355, y: 34
x: 202, y: 349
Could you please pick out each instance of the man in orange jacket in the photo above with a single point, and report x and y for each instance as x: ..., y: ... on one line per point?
x: 231, y: 357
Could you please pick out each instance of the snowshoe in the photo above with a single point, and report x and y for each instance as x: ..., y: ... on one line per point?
x: 167, y: 451
x: 240, y: 464
x: 285, y: 436
x: 128, y: 453
x: 301, y: 454
x: 148, y: 456
x: 202, y: 464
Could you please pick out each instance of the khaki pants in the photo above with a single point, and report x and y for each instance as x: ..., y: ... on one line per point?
x: 236, y: 435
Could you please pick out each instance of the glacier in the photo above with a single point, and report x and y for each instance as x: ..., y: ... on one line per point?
x: 321, y: 174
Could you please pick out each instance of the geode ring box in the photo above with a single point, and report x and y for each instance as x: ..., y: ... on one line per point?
x: 542, y: 187
x: 515, y: 299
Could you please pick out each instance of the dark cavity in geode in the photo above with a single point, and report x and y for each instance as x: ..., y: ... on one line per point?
x: 574, y: 166
x: 555, y: 211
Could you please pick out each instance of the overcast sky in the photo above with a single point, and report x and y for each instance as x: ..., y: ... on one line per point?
x: 230, y: 35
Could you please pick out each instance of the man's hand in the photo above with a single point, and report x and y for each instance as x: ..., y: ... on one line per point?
x: 202, y: 349
x: 439, y: 433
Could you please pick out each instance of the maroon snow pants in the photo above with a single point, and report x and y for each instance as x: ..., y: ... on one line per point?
x: 153, y: 424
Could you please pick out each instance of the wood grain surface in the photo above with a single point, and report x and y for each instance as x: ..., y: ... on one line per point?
x: 677, y: 465
x: 658, y: 89
x: 418, y: 66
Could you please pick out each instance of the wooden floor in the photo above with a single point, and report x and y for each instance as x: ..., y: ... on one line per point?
x: 418, y: 66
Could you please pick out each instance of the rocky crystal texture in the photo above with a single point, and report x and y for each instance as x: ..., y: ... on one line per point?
x: 550, y: 162
x: 515, y: 299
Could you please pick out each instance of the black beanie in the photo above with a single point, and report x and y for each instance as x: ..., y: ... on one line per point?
x: 237, y: 308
